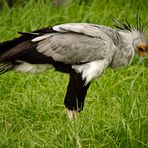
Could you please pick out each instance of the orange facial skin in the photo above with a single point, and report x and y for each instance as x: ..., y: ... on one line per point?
x: 143, y: 49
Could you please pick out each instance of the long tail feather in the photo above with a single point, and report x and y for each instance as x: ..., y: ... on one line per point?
x: 4, y: 67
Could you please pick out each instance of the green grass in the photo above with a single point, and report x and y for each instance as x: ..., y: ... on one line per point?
x: 32, y: 113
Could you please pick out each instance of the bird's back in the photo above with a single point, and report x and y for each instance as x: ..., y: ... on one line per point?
x: 73, y: 43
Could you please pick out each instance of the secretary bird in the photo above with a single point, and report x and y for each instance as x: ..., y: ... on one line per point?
x: 81, y: 49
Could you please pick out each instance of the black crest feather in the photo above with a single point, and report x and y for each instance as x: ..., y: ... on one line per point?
x: 127, y: 26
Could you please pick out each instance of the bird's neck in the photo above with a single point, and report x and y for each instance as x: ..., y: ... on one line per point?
x: 126, y: 51
x: 128, y: 37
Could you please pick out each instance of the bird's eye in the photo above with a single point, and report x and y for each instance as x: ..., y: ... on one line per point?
x: 141, y: 49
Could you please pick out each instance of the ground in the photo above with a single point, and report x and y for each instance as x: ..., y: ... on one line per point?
x: 32, y: 112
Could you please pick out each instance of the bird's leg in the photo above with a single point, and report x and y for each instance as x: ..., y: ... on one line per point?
x: 72, y: 114
x: 75, y: 95
x: 81, y: 95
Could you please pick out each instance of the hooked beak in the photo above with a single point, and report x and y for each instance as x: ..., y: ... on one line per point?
x: 143, y: 49
x: 143, y: 53
x: 141, y: 59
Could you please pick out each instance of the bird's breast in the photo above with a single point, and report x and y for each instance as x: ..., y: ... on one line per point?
x: 122, y: 58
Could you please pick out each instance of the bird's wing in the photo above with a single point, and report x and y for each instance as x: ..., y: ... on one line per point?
x: 83, y: 28
x: 75, y: 43
x: 68, y: 43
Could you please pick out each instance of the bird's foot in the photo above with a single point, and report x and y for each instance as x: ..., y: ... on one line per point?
x: 72, y: 114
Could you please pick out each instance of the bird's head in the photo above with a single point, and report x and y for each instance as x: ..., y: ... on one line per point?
x: 141, y: 46
x: 136, y: 35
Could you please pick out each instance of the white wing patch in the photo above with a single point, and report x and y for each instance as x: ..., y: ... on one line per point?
x: 41, y: 37
x: 71, y: 26
x: 83, y: 28
x: 58, y: 28
x: 91, y: 70
x: 32, y: 68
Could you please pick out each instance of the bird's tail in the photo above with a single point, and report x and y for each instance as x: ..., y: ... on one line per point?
x: 9, y: 50
x: 4, y: 67
x: 22, y: 49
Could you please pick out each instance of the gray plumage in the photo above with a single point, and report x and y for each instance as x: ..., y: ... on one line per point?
x: 79, y: 43
x: 80, y: 49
